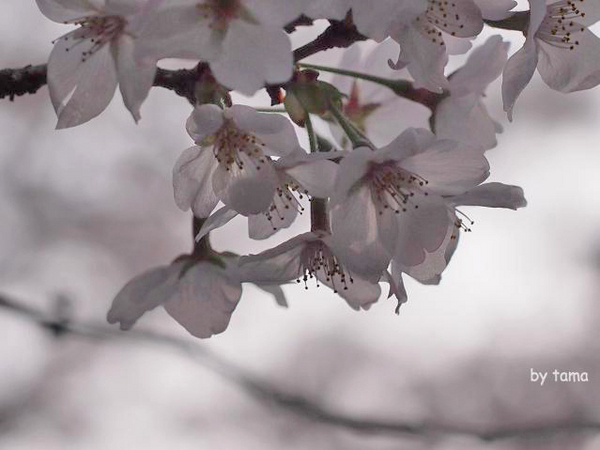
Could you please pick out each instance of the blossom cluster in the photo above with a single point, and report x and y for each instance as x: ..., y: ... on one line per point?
x: 384, y: 203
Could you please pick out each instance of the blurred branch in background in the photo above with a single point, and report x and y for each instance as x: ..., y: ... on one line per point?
x: 60, y: 325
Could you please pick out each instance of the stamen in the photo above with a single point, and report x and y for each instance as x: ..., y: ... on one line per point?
x: 560, y: 26
x: 95, y: 32
x: 317, y: 261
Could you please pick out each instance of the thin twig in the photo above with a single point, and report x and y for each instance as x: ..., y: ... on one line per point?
x: 269, y: 394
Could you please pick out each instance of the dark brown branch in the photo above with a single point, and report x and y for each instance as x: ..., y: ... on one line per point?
x: 340, y: 34
x: 29, y: 79
x: 15, y: 82
x: 264, y: 391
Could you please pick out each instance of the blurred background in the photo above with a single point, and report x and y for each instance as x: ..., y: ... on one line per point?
x: 84, y: 210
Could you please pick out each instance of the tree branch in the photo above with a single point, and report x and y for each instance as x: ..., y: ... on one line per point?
x: 267, y: 393
x: 340, y: 34
x: 29, y: 79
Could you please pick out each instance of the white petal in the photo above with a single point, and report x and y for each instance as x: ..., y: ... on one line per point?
x: 253, y: 56
x: 179, y: 31
x: 216, y: 220
x: 466, y: 119
x: 357, y: 236
x: 317, y: 177
x: 275, y: 12
x: 67, y: 10
x: 205, y: 301
x: 411, y: 142
x: 204, y: 121
x: 484, y: 65
x: 275, y: 131
x: 424, y: 57
x: 492, y: 195
x: 90, y: 82
x: 192, y: 181
x: 143, y: 293
x: 328, y: 9
x: 421, y: 230
x: 282, y: 215
x: 135, y: 76
x: 517, y: 73
x: 495, y: 9
x: 353, y: 167
x: 359, y: 294
x: 569, y: 70
x: 247, y: 190
x: 449, y: 167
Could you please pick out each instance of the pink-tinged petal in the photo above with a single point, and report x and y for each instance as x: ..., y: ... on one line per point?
x: 143, y: 293
x: 448, y: 167
x: 247, y: 190
x: 484, y: 65
x: 275, y: 131
x: 253, y: 56
x: 421, y: 230
x: 81, y: 86
x: 496, y: 9
x: 205, y: 301
x: 204, y: 121
x: 192, y: 181
x: 67, y: 10
x: 517, y: 73
x: 317, y: 177
x: 216, y: 220
x: 537, y: 13
x: 357, y: 236
x: 135, y: 76
x: 492, y: 195
x: 575, y: 68
x: 466, y: 119
x: 423, y: 56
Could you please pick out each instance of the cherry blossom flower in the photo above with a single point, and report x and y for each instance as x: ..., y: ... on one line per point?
x: 462, y: 115
x: 87, y: 64
x: 242, y: 40
x: 298, y: 176
x: 372, y: 107
x: 390, y: 203
x: 559, y: 44
x: 311, y: 258
x: 429, y: 271
x: 200, y: 295
x: 231, y: 160
x: 426, y: 40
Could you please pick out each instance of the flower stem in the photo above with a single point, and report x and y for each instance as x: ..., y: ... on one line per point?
x: 400, y: 87
x: 202, y: 248
x: 353, y: 133
x: 319, y: 216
